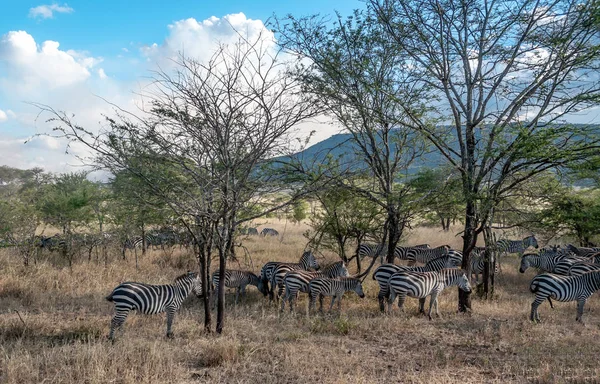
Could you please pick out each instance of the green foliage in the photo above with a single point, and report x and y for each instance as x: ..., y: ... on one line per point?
x: 575, y: 213
x: 299, y: 209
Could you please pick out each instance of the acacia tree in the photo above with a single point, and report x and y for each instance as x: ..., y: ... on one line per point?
x: 356, y: 74
x: 210, y: 125
x: 500, y: 76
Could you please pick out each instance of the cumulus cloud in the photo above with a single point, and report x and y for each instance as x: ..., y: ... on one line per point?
x: 3, y: 116
x: 47, y: 11
x: 30, y: 66
x: 102, y: 74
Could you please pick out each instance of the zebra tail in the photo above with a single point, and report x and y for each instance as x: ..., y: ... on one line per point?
x: 550, y: 301
x: 109, y: 297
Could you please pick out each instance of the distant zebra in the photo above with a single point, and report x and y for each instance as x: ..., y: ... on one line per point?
x: 371, y: 250
x: 236, y: 279
x: 252, y: 232
x: 307, y: 261
x: 282, y: 269
x: 420, y: 255
x: 269, y: 232
x: 563, y: 288
x: 383, y: 272
x: 544, y: 263
x: 423, y: 284
x: 152, y: 299
x: 325, y: 286
x: 297, y: 281
x: 516, y: 246
x: 580, y: 268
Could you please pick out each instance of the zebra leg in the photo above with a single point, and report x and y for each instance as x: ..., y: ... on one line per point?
x: 432, y: 302
x: 381, y: 298
x: 401, y: 299
x: 332, y: 301
x: 321, y: 297
x: 117, y: 321
x: 422, y: 305
x: 535, y: 316
x: 170, y: 316
x: 286, y: 297
x: 237, y: 294
x: 390, y: 300
x: 580, y: 304
x: 340, y: 304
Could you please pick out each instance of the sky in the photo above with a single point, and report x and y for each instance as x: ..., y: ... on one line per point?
x: 76, y: 56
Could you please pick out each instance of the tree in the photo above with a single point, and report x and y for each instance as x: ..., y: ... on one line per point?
x: 355, y: 72
x: 506, y: 73
x: 200, y: 146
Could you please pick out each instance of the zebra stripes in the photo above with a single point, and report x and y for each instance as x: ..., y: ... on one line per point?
x: 516, y: 246
x: 583, y: 251
x: 420, y: 255
x: 297, y: 281
x: 580, y: 268
x: 371, y: 250
x: 383, y: 272
x: 269, y: 232
x: 325, y: 286
x: 152, y: 299
x: 423, y: 284
x: 478, y: 265
x: 238, y: 280
x: 307, y: 261
x: 563, y: 288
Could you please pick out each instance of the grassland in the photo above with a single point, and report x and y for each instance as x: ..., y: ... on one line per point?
x: 54, y: 322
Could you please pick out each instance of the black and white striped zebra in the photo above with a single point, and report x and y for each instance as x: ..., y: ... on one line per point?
x: 563, y: 288
x: 371, y: 250
x: 297, y: 281
x: 307, y: 261
x: 544, y: 263
x: 269, y: 232
x: 564, y: 265
x: 583, y: 251
x: 580, y: 268
x: 282, y: 269
x: 478, y: 265
x: 383, y: 272
x: 420, y: 255
x: 325, y: 286
x: 252, y: 231
x: 236, y: 279
x: 423, y: 284
x: 152, y: 299
x: 506, y: 246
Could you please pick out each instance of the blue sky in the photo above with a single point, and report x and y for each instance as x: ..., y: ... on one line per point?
x: 67, y: 54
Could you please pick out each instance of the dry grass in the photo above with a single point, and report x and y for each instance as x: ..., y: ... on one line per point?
x: 59, y: 332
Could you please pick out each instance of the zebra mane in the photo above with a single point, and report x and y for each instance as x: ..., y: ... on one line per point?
x: 186, y: 276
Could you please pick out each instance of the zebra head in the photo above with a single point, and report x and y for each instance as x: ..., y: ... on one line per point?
x: 358, y: 288
x: 190, y: 281
x: 308, y: 259
x: 463, y: 282
x: 526, y: 262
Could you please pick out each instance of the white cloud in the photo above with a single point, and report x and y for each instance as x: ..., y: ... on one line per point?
x: 30, y: 67
x: 47, y: 11
x: 102, y: 74
x: 3, y: 116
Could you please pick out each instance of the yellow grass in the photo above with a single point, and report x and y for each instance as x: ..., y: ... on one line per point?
x: 54, y: 322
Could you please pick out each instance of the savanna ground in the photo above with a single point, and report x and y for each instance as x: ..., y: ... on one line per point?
x: 54, y: 322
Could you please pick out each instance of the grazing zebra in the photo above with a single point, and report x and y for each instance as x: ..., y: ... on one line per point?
x: 583, y: 251
x: 236, y: 279
x: 325, y: 286
x: 423, y: 284
x: 516, y: 246
x: 252, y: 232
x: 152, y: 299
x: 269, y: 232
x: 563, y: 288
x: 383, y: 272
x: 307, y: 261
x: 580, y: 268
x: 297, y: 281
x: 544, y: 263
x: 420, y: 255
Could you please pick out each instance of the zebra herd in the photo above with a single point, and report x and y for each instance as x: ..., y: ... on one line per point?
x: 572, y: 273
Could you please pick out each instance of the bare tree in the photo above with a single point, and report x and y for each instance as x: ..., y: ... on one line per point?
x: 499, y: 77
x: 355, y: 72
x: 201, y: 144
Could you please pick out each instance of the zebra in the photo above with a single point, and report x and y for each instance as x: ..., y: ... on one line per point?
x: 383, y: 272
x: 152, y: 299
x: 236, y: 279
x: 582, y: 267
x: 325, y: 286
x: 281, y: 270
x: 423, y: 284
x: 583, y: 251
x: 478, y: 265
x: 563, y: 288
x: 371, y: 250
x: 544, y: 263
x: 269, y: 232
x: 516, y: 246
x: 421, y: 255
x: 297, y: 281
x: 252, y: 232
x: 307, y: 261
x: 565, y: 264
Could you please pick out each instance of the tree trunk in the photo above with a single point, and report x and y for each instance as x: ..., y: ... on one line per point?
x: 469, y: 241
x: 202, y: 257
x: 221, y: 289
x: 393, y: 226
x: 143, y: 240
